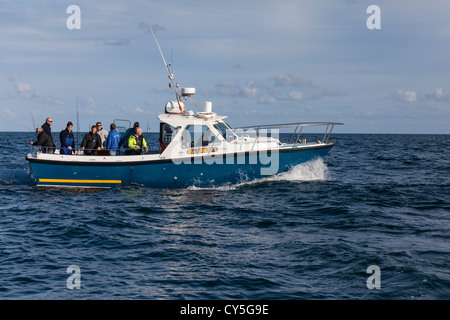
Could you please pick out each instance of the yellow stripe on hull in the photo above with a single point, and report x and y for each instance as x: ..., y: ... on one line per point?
x: 79, y: 181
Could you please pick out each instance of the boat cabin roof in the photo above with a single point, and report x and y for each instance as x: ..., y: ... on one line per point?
x: 183, y: 120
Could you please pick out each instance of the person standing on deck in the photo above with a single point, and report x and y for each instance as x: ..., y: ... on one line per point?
x: 43, y: 140
x: 130, y: 131
x: 113, y: 140
x: 91, y: 142
x: 137, y: 143
x: 67, y: 140
x: 102, y: 133
x: 48, y: 130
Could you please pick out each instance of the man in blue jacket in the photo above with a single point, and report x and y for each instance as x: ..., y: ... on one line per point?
x: 113, y: 140
x: 67, y: 140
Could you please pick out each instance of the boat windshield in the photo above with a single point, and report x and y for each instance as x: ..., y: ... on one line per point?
x: 225, y: 131
x: 122, y: 125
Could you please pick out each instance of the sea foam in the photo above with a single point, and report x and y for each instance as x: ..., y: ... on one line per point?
x: 314, y: 170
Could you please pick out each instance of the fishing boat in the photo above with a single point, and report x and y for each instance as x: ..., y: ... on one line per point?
x: 195, y: 149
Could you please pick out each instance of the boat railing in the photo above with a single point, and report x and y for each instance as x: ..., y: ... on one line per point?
x: 298, y: 129
x: 90, y: 152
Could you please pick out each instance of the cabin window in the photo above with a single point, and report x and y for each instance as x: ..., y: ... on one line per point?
x: 225, y: 131
x: 197, y: 136
x: 166, y: 133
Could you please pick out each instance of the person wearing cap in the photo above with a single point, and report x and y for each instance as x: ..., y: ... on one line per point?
x: 43, y: 140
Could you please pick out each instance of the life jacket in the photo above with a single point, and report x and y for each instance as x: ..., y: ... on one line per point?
x: 124, y: 139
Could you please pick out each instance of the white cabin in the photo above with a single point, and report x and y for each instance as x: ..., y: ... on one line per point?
x: 185, y: 134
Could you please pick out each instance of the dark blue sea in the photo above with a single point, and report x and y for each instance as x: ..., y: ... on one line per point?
x: 310, y: 233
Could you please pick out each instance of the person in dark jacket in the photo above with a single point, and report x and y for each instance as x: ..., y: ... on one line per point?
x: 91, y: 142
x: 48, y: 130
x: 67, y: 140
x: 44, y: 141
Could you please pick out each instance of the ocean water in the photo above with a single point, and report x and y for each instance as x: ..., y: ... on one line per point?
x: 309, y: 233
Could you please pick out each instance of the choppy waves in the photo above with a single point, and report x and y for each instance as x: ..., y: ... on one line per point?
x: 15, y: 177
x: 308, y: 233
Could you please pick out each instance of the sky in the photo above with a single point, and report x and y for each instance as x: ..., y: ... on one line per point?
x: 257, y: 61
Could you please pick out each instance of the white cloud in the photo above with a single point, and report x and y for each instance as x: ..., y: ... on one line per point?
x: 438, y: 95
x: 290, y: 80
x: 146, y: 27
x: 267, y: 100
x: 149, y: 103
x: 13, y: 77
x: 250, y: 91
x: 87, y: 102
x: 225, y: 88
x: 296, y: 95
x: 406, y: 96
x: 9, y: 112
x: 277, y: 88
x: 276, y: 47
x: 413, y: 96
x: 24, y: 91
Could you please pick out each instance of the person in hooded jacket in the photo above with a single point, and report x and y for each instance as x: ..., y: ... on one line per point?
x: 67, y: 140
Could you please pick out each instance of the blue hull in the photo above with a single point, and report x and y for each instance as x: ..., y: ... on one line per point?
x: 167, y: 174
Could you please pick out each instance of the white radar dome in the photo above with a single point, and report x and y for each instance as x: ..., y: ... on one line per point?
x: 187, y: 92
x: 174, y: 107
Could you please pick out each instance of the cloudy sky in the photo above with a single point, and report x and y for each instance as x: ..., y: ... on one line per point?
x: 258, y: 61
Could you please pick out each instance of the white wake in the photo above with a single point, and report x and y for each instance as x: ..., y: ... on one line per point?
x: 314, y: 170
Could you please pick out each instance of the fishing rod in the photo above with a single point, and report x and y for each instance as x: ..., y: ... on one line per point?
x: 167, y: 66
x: 78, y: 124
x: 32, y: 119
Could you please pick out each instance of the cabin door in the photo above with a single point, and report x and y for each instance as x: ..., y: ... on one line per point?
x: 165, y: 136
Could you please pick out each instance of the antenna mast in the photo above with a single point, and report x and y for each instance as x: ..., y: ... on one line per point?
x: 173, y: 85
